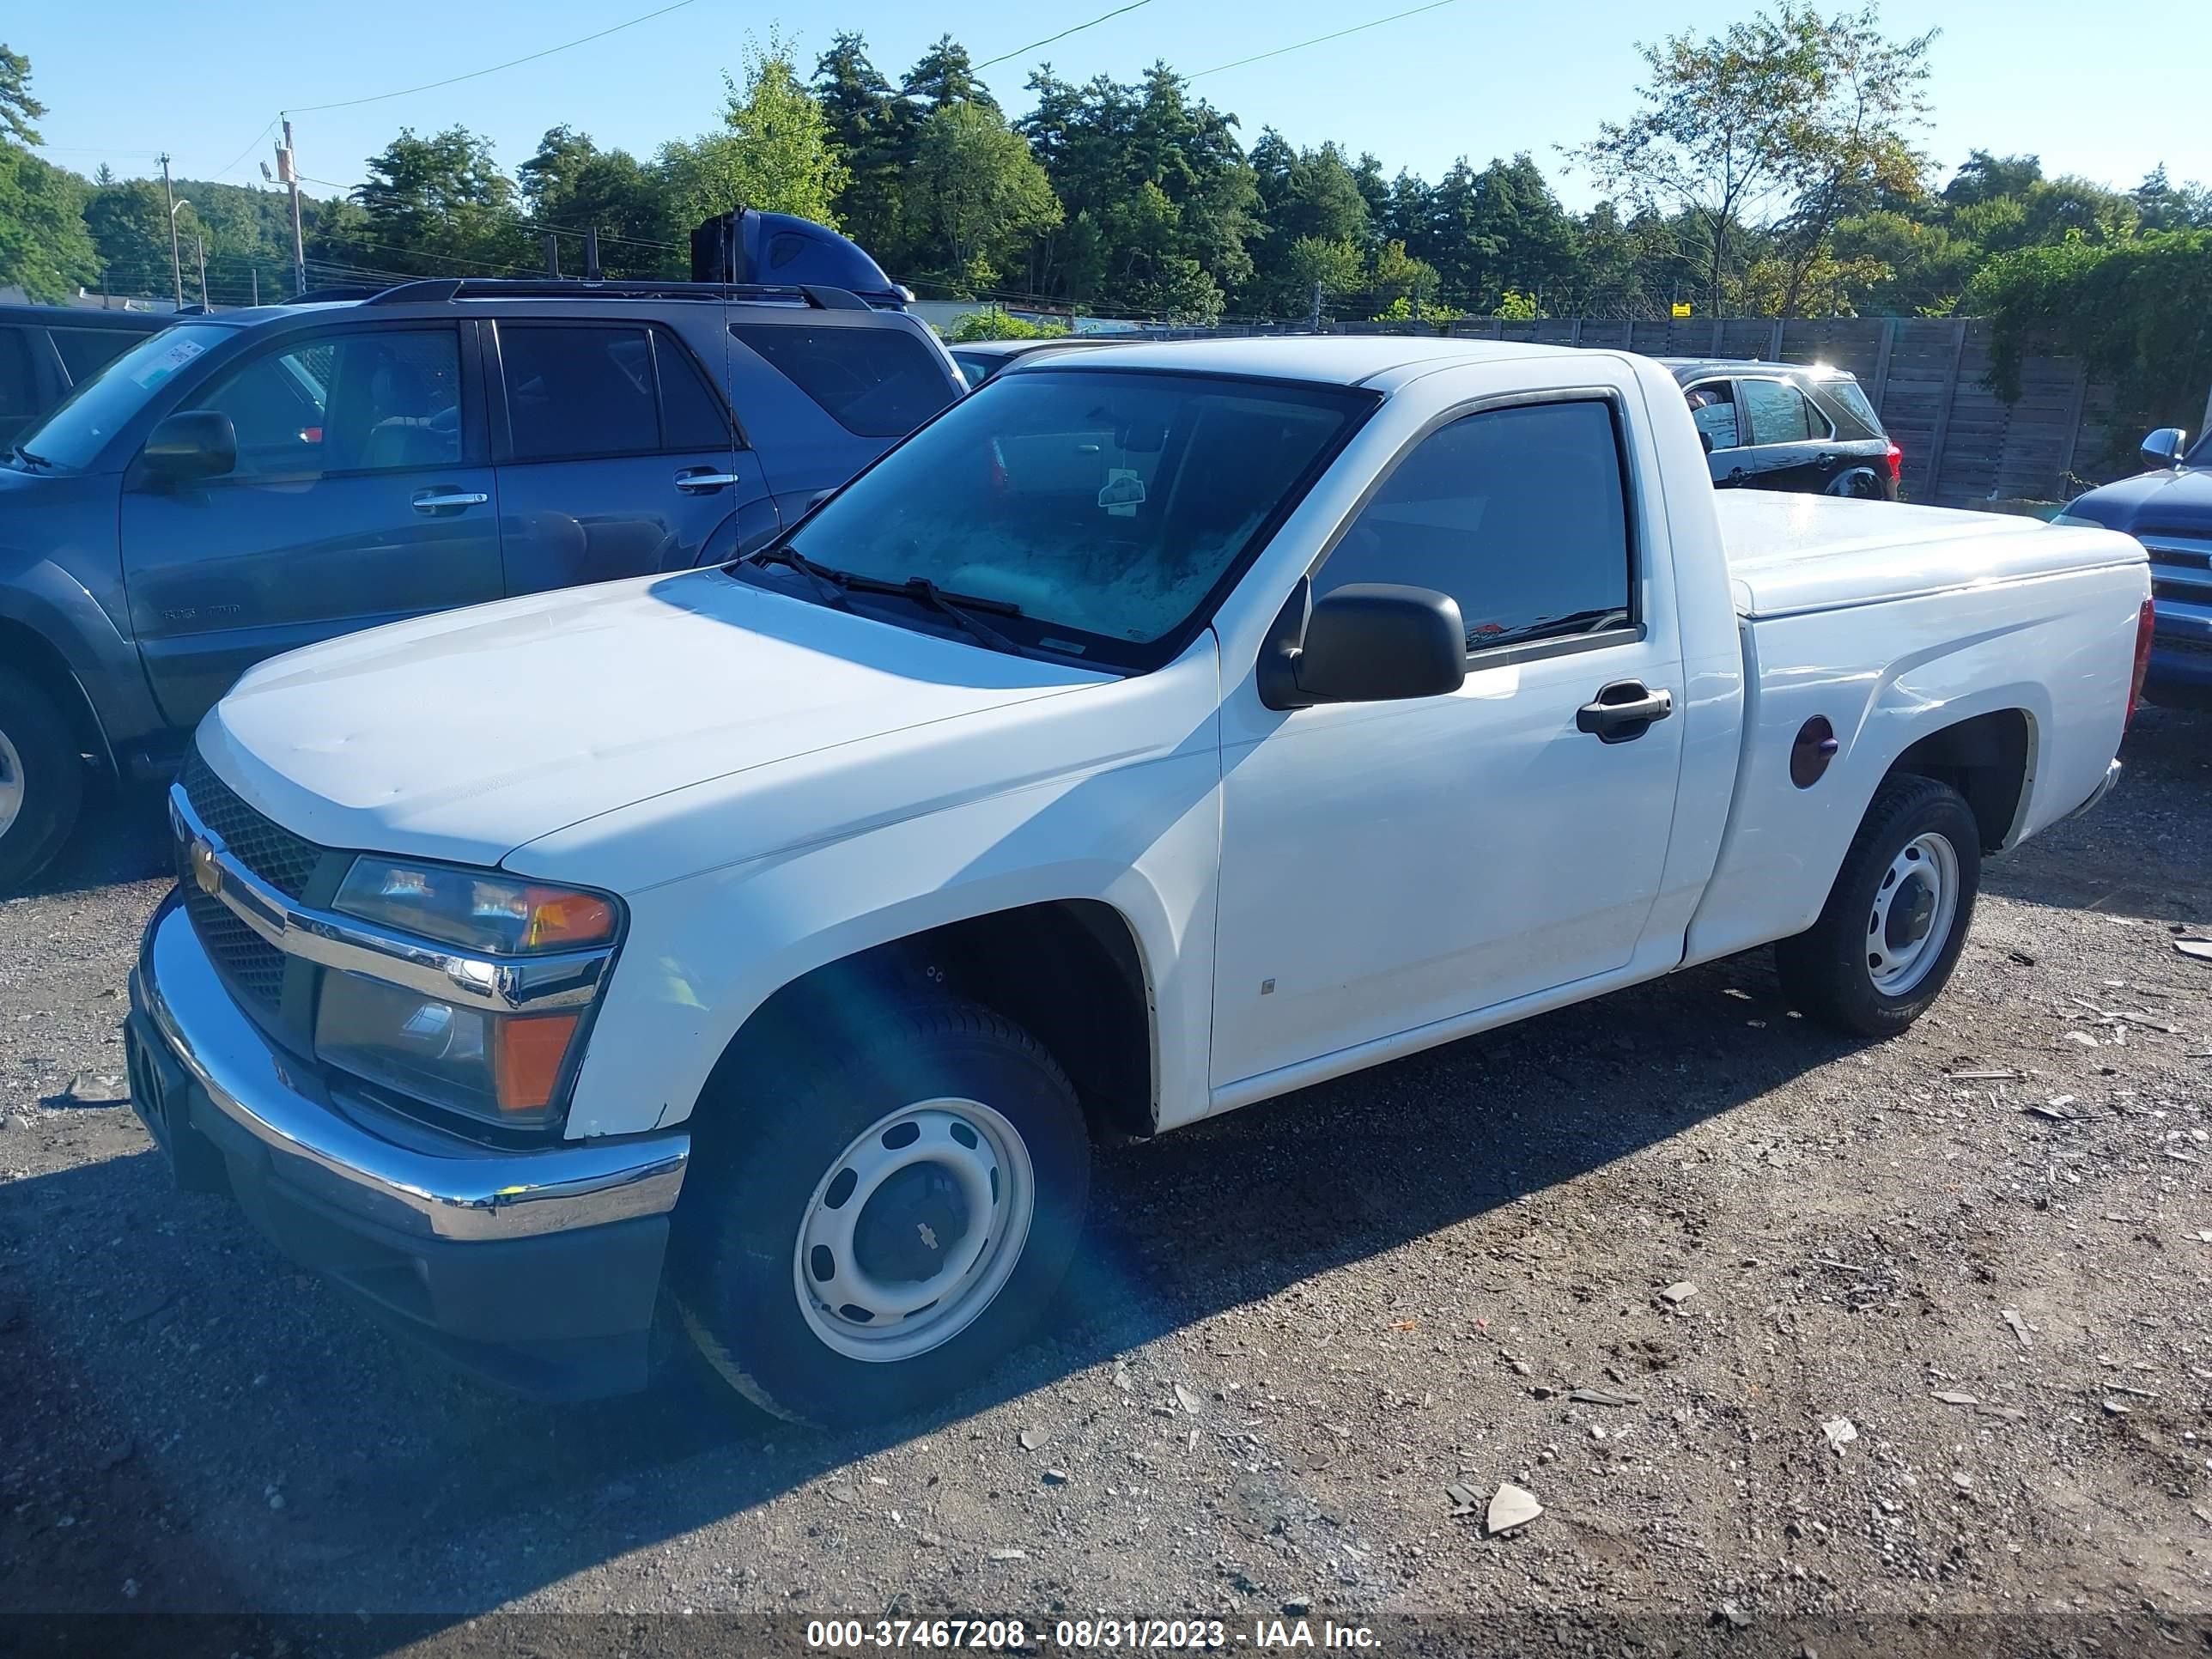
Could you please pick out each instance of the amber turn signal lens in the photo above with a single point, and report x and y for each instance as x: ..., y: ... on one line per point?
x: 529, y: 1053
x: 560, y: 917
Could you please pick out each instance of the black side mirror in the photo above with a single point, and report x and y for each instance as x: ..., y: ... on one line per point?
x: 194, y: 443
x: 2165, y: 447
x: 1705, y: 440
x: 1365, y: 643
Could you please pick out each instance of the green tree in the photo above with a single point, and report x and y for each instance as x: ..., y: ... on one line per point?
x: 872, y: 129
x: 439, y: 206
x: 991, y: 322
x: 978, y: 194
x: 573, y: 184
x: 2138, y: 312
x: 1789, y: 117
x: 45, y: 249
x: 1339, y: 267
x: 773, y: 153
x: 946, y: 76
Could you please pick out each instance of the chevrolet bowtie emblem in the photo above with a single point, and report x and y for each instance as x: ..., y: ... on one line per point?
x: 207, y: 874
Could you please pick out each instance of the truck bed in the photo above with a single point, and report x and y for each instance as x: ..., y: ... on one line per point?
x: 1788, y: 553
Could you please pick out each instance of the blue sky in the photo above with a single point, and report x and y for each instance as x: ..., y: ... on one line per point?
x: 2093, y: 94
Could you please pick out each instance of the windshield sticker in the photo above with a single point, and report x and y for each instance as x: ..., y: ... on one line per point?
x: 1123, y: 494
x: 180, y: 353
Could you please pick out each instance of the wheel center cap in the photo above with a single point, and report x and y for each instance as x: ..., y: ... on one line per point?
x: 911, y: 1225
x: 1909, y: 915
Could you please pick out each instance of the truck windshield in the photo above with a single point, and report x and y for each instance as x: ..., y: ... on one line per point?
x: 79, y: 429
x: 1097, y: 513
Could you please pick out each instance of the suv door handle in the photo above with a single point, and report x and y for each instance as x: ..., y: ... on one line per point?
x: 704, y: 481
x: 1826, y: 457
x: 1624, y: 711
x: 442, y: 496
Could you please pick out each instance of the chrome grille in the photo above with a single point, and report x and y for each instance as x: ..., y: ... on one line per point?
x: 249, y: 964
x: 280, y: 858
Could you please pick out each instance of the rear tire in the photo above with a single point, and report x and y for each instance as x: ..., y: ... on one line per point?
x: 948, y: 1155
x: 1896, y: 918
x: 41, y: 780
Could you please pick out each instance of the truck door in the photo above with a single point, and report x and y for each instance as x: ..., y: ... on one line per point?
x: 361, y: 495
x: 1387, y: 866
x: 616, y: 458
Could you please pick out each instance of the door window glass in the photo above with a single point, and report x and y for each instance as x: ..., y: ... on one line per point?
x: 691, y: 416
x: 1712, y: 407
x: 1519, y: 514
x: 1780, y: 415
x: 19, y: 387
x: 576, y: 392
x: 86, y: 351
x: 364, y: 402
x: 1847, y: 393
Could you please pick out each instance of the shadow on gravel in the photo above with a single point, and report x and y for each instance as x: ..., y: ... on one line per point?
x: 231, y: 1436
x: 123, y: 835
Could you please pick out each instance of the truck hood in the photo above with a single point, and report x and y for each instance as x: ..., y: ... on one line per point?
x: 465, y: 735
x: 2164, y: 499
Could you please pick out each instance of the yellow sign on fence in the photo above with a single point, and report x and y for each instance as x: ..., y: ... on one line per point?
x: 1681, y: 308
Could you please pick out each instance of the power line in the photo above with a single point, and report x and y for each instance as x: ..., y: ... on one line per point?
x: 512, y: 63
x: 1062, y: 35
x: 250, y: 143
x: 1433, y: 5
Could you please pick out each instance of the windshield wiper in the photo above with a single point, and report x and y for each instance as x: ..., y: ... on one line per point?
x: 29, y: 459
x: 830, y: 581
x: 1575, y: 622
x: 958, y: 607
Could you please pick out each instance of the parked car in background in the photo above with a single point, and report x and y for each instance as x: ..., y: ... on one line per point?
x: 2168, y: 509
x: 246, y: 483
x: 47, y: 351
x: 1783, y: 426
x: 1157, y: 731
x: 980, y: 360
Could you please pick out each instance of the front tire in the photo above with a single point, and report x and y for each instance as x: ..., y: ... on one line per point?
x: 883, y: 1225
x: 1896, y: 919
x: 41, y: 780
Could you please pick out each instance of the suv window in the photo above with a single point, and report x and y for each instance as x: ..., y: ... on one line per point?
x: 1780, y: 413
x: 1847, y: 393
x: 1520, y: 514
x: 573, y: 392
x: 361, y: 402
x: 878, y: 382
x: 1712, y: 406
x: 691, y: 416
x: 19, y: 386
x: 86, y: 351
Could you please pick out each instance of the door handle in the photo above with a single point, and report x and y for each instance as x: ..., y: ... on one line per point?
x: 437, y: 499
x: 704, y: 483
x: 1735, y: 475
x: 1824, y: 459
x: 1624, y: 711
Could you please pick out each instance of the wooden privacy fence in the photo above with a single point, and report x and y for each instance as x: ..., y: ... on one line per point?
x: 1928, y: 376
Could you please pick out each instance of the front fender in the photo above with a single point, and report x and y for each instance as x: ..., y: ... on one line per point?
x: 41, y: 595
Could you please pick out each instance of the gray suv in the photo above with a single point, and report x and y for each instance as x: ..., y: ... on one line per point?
x: 241, y: 484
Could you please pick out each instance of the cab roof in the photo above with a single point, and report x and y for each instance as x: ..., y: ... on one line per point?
x: 1378, y: 360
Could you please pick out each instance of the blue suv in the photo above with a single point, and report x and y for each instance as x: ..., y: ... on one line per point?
x: 241, y: 484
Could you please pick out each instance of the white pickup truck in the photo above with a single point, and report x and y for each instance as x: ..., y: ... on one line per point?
x: 1161, y: 729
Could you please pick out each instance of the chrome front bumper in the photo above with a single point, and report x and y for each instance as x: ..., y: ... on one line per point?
x: 350, y: 1157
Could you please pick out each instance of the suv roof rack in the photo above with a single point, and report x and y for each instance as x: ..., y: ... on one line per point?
x: 436, y: 290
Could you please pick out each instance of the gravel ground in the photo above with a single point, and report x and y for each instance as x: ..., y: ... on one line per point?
x: 1292, y: 1330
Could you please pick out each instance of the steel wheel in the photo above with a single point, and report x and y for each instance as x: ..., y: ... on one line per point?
x: 11, y: 785
x: 914, y: 1229
x: 1913, y: 909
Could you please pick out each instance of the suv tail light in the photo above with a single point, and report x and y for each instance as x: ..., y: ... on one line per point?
x: 2146, y: 620
x: 1894, y: 462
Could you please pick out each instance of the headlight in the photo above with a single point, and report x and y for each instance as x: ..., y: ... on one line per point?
x: 503, y: 1068
x: 476, y: 910
x: 491, y: 1063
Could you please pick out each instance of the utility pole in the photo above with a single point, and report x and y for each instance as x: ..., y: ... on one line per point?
x: 591, y: 254
x: 199, y: 246
x: 254, y: 271
x: 1313, y: 321
x: 288, y: 173
x: 176, y: 258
